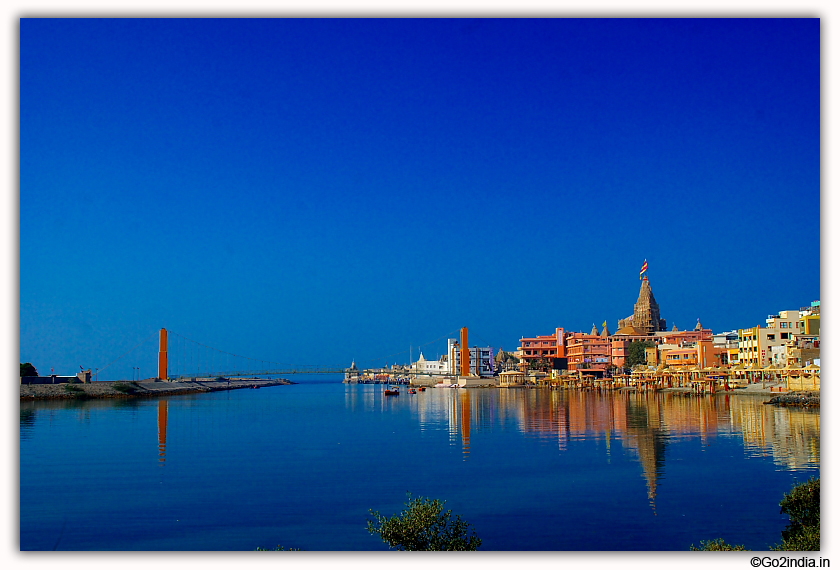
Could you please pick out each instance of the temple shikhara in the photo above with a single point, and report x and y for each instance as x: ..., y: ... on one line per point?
x: 645, y: 319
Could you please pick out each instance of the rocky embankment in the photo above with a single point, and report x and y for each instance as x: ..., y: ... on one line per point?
x: 147, y: 388
x: 804, y: 399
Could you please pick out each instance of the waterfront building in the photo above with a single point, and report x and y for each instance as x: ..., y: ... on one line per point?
x: 551, y: 347
x: 788, y: 329
x: 589, y: 352
x: 754, y: 345
x: 704, y: 354
x: 431, y: 367
x: 482, y: 363
x: 510, y: 378
x: 352, y: 374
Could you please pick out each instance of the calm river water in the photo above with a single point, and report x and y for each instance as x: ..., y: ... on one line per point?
x: 301, y: 465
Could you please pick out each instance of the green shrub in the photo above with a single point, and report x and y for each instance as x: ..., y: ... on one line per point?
x: 717, y: 544
x: 424, y: 525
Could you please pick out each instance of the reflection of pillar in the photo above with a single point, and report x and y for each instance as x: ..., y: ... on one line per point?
x: 163, y: 359
x: 465, y: 353
x: 163, y: 420
x: 465, y: 421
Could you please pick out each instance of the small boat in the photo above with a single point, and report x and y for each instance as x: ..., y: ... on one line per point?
x: 422, y: 388
x: 392, y: 391
x: 412, y: 391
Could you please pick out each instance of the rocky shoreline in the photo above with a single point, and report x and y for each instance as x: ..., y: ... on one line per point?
x: 804, y: 399
x: 142, y: 389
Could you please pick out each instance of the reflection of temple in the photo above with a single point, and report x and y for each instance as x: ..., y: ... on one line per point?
x: 646, y: 434
x: 163, y: 420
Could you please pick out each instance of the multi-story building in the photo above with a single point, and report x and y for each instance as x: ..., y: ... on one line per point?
x: 550, y: 347
x: 754, y: 345
x: 783, y: 325
x: 482, y: 363
x: 704, y: 354
x: 809, y: 319
x: 589, y: 352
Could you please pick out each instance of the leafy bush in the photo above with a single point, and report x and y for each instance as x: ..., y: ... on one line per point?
x: 717, y: 544
x: 802, y: 505
x: 424, y: 525
x: 26, y: 369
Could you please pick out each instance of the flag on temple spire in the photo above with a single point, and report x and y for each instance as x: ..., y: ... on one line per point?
x: 644, y: 268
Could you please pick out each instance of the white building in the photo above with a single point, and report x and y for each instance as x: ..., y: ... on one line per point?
x: 431, y: 367
x: 727, y: 339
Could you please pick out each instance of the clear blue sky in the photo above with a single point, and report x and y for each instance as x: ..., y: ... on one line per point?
x: 314, y: 191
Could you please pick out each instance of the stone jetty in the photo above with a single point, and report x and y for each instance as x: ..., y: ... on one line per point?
x: 145, y: 388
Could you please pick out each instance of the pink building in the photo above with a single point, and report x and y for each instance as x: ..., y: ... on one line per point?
x: 547, y: 346
x: 588, y: 352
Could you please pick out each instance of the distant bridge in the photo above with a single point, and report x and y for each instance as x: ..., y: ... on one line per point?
x: 272, y: 372
x: 180, y: 358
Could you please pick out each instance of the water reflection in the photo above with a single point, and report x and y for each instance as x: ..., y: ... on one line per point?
x: 644, y: 422
x: 163, y: 420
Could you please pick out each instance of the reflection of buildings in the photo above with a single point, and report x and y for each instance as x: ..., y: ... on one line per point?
x: 643, y: 422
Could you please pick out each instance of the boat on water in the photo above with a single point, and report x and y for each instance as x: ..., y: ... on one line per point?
x: 412, y: 391
x: 392, y: 391
x: 422, y: 388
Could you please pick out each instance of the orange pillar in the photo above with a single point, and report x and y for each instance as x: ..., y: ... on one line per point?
x: 163, y: 358
x: 465, y: 353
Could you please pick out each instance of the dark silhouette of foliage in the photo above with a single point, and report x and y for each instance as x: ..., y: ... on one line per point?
x: 802, y: 505
x: 26, y: 369
x: 424, y: 525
